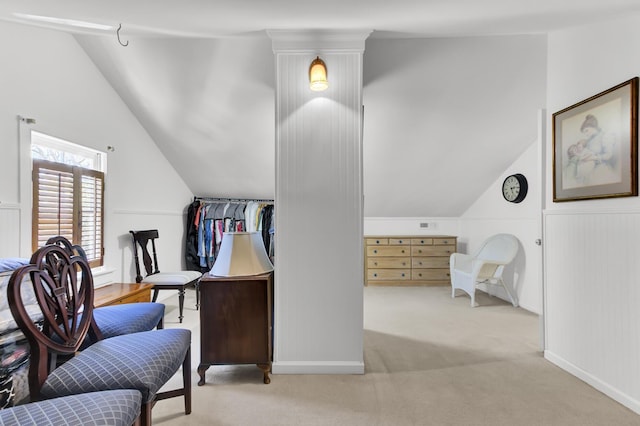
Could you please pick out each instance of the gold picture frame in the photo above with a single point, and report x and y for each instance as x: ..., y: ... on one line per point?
x: 595, y: 146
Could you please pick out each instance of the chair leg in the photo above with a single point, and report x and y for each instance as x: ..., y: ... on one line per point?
x: 514, y: 302
x: 155, y: 295
x: 186, y: 381
x: 145, y: 413
x: 181, y: 303
x: 197, y: 286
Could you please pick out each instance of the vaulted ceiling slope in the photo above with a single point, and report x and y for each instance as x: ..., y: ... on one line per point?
x: 445, y: 111
x: 443, y: 117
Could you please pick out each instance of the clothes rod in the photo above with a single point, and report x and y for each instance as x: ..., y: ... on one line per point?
x: 231, y: 200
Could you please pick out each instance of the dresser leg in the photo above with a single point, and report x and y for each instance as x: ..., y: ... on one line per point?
x: 266, y: 369
x: 202, y: 368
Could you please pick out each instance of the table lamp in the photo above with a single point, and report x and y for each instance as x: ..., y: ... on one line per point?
x: 241, y: 254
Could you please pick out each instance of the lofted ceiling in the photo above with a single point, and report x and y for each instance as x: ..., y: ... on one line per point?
x: 199, y: 77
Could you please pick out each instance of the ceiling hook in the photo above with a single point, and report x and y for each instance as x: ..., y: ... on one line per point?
x: 118, y: 35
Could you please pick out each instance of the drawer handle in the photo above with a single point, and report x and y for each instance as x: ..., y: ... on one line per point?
x: 400, y: 241
x: 402, y: 251
x: 375, y: 275
x: 420, y: 274
x: 375, y: 251
x: 403, y: 274
x: 375, y: 263
x: 448, y: 274
x: 419, y: 251
x: 377, y: 241
x: 403, y: 263
x: 445, y: 242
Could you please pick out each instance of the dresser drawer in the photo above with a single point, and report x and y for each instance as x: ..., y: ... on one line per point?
x: 429, y: 262
x: 393, y: 251
x: 422, y: 241
x: 399, y: 241
x: 377, y: 241
x: 430, y: 274
x: 444, y: 242
x: 389, y: 262
x: 432, y: 250
x: 388, y: 274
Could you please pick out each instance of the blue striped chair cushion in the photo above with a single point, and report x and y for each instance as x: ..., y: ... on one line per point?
x: 117, y: 408
x: 127, y: 318
x: 144, y: 361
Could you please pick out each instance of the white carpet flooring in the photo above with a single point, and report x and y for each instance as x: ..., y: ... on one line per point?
x: 429, y: 360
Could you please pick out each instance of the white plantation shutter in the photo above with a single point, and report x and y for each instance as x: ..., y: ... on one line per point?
x: 68, y: 201
x: 91, y: 213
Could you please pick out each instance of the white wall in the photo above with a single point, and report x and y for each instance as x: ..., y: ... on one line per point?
x: 491, y: 214
x: 411, y: 226
x: 433, y: 108
x: 591, y: 249
x: 47, y: 76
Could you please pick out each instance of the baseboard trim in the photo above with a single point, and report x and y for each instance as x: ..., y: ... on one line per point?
x: 317, y: 367
x: 588, y: 378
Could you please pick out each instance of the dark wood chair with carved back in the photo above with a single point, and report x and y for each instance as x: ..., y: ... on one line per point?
x: 63, y: 287
x: 116, y: 320
x: 178, y: 280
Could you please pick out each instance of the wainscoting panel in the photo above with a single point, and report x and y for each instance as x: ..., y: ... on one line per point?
x: 319, y: 269
x: 592, y: 294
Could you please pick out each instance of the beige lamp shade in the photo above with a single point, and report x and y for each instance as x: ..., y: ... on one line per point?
x: 241, y: 254
x: 318, y: 75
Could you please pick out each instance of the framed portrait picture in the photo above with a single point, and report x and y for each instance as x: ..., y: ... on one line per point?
x: 595, y: 146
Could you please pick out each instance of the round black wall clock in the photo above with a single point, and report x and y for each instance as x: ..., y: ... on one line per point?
x: 514, y: 188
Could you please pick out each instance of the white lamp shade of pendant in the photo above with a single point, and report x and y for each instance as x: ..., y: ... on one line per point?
x: 241, y: 254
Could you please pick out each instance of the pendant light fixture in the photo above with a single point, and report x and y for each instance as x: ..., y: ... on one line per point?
x: 318, y: 75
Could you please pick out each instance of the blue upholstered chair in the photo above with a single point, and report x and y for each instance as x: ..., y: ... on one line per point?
x: 117, y: 320
x: 177, y: 280
x: 144, y: 361
x: 114, y: 408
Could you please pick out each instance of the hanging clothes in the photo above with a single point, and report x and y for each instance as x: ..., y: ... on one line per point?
x: 209, y: 219
x: 191, y: 237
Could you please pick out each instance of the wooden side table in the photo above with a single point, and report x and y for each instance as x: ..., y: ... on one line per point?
x: 116, y: 293
x: 236, y: 322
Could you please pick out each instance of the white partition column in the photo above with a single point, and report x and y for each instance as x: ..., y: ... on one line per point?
x: 319, y: 214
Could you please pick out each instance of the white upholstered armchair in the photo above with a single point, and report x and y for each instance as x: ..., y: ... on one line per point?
x: 485, y: 267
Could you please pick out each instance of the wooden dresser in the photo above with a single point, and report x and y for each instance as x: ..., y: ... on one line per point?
x: 116, y: 293
x: 405, y: 260
x: 236, y: 322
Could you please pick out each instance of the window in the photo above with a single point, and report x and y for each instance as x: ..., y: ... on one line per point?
x: 68, y: 195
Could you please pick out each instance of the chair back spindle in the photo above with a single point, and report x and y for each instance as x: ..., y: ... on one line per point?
x: 141, y: 239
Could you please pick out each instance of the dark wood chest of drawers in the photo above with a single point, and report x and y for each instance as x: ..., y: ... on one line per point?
x: 236, y: 315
